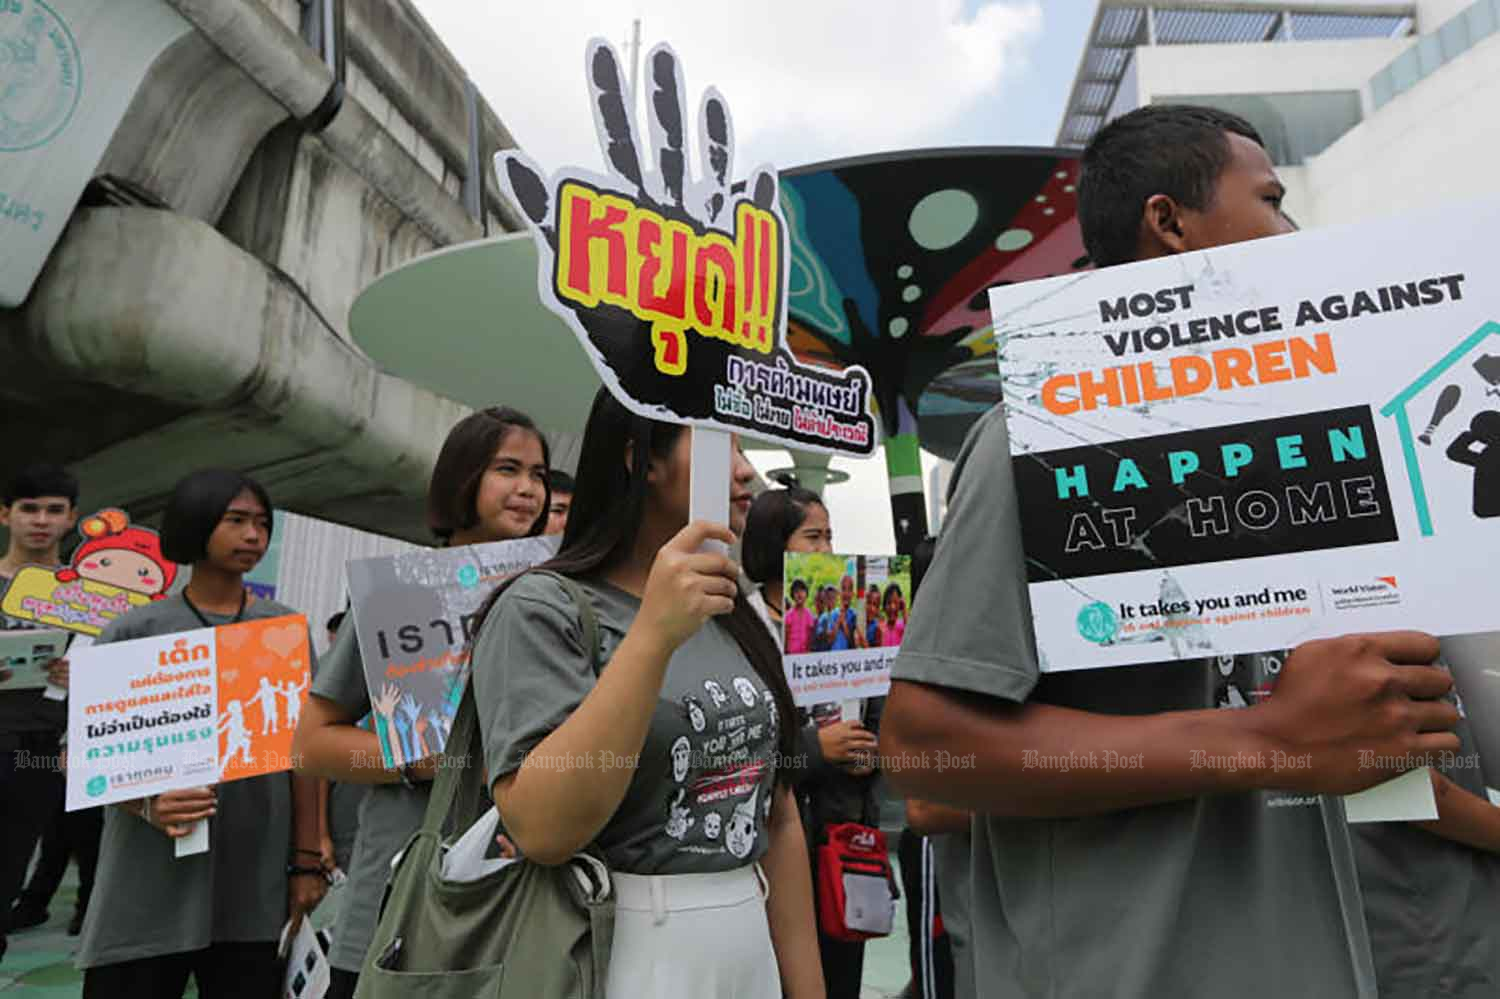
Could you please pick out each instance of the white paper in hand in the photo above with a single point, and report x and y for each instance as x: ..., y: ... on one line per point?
x: 195, y: 842
x: 1408, y: 798
x: 307, y: 970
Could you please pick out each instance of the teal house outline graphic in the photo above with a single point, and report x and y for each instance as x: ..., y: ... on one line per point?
x: 1397, y: 408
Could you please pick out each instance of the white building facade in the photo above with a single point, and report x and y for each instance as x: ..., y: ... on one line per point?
x: 1367, y: 108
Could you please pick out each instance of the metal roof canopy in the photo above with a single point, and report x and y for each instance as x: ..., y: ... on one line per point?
x: 1120, y: 26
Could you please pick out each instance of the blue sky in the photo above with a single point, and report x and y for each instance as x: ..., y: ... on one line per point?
x: 1029, y: 110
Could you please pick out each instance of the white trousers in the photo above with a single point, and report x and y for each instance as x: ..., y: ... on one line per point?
x: 692, y: 936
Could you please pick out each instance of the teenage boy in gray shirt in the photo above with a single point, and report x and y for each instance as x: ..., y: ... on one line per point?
x: 1153, y: 876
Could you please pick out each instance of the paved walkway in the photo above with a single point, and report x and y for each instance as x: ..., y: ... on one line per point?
x: 39, y: 963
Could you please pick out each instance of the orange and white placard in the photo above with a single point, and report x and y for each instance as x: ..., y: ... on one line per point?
x: 186, y: 710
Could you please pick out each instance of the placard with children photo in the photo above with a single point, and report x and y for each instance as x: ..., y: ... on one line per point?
x: 843, y: 622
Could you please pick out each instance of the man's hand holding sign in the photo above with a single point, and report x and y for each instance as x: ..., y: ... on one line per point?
x: 1347, y: 713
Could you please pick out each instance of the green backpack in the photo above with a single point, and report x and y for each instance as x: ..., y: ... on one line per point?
x: 519, y: 929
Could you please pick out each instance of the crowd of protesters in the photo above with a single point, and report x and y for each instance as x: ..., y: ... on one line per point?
x: 1163, y: 879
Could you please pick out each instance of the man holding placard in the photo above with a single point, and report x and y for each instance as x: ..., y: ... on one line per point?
x: 1137, y: 835
x: 38, y: 508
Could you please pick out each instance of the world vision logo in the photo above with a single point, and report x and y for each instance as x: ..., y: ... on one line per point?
x: 679, y: 277
x: 1383, y: 592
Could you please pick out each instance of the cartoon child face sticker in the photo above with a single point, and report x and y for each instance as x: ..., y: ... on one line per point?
x: 678, y: 819
x: 682, y: 753
x: 746, y: 690
x: 739, y: 837
x: 716, y: 693
x: 117, y: 554
x: 694, y: 709
x: 712, y: 823
x: 126, y: 569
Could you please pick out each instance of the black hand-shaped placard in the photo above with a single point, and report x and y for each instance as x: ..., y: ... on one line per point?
x: 677, y: 288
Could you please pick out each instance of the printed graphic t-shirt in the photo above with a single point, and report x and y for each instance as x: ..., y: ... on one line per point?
x: 388, y: 816
x: 701, y: 792
x: 1227, y: 895
x: 147, y: 901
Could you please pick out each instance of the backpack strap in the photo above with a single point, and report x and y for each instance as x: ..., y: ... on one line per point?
x: 586, y: 616
x: 459, y: 778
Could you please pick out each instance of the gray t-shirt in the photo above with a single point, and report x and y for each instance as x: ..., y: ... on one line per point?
x: 1229, y: 895
x: 700, y: 794
x: 388, y: 816
x: 950, y: 854
x: 1432, y: 905
x: 147, y: 902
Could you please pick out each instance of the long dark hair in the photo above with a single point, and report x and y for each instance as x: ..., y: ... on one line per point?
x: 609, y: 503
x: 773, y: 518
x: 453, y: 489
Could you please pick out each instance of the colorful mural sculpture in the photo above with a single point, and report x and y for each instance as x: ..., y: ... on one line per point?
x: 892, y: 256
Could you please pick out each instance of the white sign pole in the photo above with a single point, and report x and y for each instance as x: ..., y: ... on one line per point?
x: 709, y: 497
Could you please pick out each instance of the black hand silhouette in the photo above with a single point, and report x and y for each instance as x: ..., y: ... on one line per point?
x: 658, y: 363
x: 615, y: 332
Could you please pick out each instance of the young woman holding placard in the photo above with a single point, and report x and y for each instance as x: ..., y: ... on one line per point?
x: 156, y: 918
x: 489, y: 484
x: 837, y: 784
x: 663, y: 751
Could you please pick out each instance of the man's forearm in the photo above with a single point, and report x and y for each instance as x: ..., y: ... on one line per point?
x: 931, y: 819
x: 1041, y: 761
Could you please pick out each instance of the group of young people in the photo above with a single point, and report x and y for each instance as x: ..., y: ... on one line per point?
x: 833, y: 623
x: 148, y: 919
x: 153, y: 920
x: 1163, y: 879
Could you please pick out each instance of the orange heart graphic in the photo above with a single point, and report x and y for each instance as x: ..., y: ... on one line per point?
x: 233, y: 637
x: 282, y: 640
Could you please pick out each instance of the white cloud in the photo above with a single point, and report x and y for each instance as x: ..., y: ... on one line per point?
x: 805, y: 79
